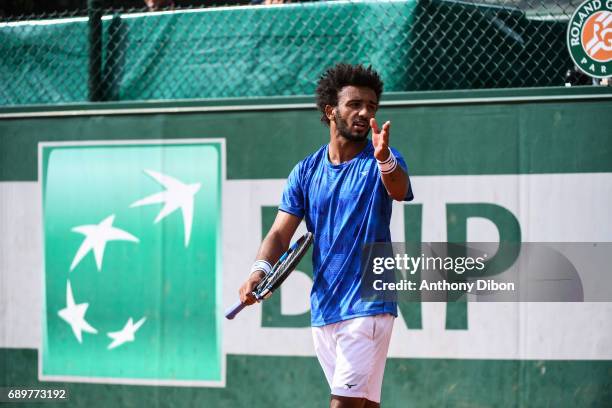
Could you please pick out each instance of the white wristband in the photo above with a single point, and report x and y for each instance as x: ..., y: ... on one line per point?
x: 388, y: 165
x: 261, y: 265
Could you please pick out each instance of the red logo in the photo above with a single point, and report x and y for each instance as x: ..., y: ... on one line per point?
x: 596, y: 36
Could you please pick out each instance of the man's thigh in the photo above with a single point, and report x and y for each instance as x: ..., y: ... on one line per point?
x: 353, y: 355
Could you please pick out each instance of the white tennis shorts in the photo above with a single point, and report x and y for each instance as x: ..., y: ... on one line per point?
x: 353, y: 354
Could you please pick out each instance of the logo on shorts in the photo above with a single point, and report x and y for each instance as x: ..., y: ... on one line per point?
x: 589, y: 38
x: 132, y: 262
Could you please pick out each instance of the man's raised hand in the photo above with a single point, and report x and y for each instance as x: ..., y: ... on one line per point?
x: 380, y: 140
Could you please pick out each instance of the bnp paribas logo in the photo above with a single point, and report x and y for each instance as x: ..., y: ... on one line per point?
x: 589, y: 38
x: 132, y: 262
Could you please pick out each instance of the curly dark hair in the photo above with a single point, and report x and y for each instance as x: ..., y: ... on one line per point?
x: 335, y: 78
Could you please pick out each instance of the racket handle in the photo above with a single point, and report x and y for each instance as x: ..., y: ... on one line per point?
x: 234, y: 310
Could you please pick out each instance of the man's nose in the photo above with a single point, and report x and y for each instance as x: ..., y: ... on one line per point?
x: 364, y: 112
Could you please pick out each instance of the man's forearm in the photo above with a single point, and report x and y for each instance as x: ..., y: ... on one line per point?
x: 396, y: 183
x: 272, y: 247
x: 278, y: 238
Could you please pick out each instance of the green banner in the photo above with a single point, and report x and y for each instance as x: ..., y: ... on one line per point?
x: 237, y: 52
x: 132, y: 265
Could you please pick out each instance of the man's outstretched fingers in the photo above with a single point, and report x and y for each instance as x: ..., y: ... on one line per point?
x: 387, y: 126
x: 374, y: 125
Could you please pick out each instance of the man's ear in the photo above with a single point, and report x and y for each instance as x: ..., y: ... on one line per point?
x: 330, y: 112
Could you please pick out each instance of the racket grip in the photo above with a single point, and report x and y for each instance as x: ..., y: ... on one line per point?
x: 234, y: 310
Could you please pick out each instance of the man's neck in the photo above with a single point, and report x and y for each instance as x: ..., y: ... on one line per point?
x: 342, y: 150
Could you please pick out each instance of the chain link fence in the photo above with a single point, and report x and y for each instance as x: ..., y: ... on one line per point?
x: 258, y: 51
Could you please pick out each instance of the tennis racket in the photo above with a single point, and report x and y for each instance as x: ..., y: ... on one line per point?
x: 281, y: 270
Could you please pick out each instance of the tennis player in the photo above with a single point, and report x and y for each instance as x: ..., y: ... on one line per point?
x: 344, y: 191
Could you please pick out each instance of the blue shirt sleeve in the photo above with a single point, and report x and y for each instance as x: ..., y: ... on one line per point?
x: 292, y: 201
x: 402, y: 163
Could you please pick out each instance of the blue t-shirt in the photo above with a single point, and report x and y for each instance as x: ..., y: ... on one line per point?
x: 345, y: 206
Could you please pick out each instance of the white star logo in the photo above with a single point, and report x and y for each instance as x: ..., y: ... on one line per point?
x: 126, y: 334
x: 74, y: 315
x: 177, y: 195
x: 96, y: 237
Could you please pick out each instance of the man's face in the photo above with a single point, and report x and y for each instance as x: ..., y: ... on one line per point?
x: 356, y: 106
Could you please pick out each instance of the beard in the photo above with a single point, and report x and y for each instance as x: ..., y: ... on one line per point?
x: 345, y: 131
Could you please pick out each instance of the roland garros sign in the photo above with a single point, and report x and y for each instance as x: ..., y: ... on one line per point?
x: 589, y: 38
